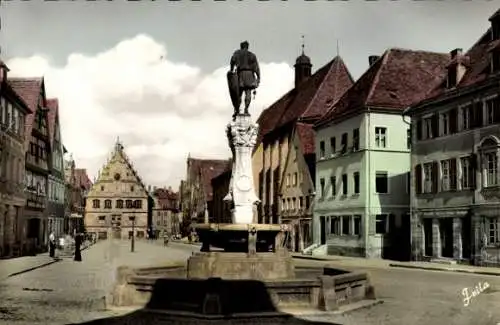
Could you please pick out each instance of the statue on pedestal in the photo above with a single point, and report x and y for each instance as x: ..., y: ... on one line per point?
x: 243, y: 77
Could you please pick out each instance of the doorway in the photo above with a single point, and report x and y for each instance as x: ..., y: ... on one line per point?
x: 466, y: 236
x: 322, y: 222
x: 446, y: 234
x: 427, y: 236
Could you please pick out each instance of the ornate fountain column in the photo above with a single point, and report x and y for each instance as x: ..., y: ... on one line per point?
x: 242, y: 136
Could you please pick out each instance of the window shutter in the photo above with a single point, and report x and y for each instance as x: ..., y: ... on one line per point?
x: 496, y: 110
x: 418, y: 179
x: 453, y: 174
x: 435, y: 125
x: 453, y: 121
x: 419, y: 130
x: 478, y: 108
x: 435, y: 177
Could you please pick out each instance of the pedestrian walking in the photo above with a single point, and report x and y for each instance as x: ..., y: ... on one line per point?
x: 52, y: 244
x: 78, y: 251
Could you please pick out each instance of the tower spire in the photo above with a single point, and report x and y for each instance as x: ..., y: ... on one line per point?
x: 303, y: 44
x: 338, y: 50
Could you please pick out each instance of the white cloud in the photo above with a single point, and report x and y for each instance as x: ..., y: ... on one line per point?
x: 161, y: 110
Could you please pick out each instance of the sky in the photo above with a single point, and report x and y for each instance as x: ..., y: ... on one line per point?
x: 153, y: 73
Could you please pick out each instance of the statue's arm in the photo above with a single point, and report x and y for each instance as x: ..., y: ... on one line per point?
x: 257, y: 69
x: 232, y: 62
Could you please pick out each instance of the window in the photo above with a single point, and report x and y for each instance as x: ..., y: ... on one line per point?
x: 445, y: 175
x: 343, y: 143
x: 128, y: 204
x: 445, y: 123
x: 96, y: 204
x: 381, y: 223
x: 283, y: 205
x: 494, y: 231
x: 381, y: 183
x: 119, y: 204
x: 287, y: 180
x: 491, y: 168
x: 288, y: 204
x: 322, y: 149
x: 344, y: 184
x: 380, y: 137
x: 333, y: 182
x: 138, y: 204
x: 102, y: 188
x: 493, y: 110
x: 301, y: 203
x: 428, y: 131
x: 428, y: 177
x: 467, y: 177
x: 356, y: 182
x: 357, y: 225
x: 333, y: 144
x: 107, y: 204
x: 466, y: 114
x: 295, y: 179
x: 335, y: 225
x: 131, y: 218
x: 408, y: 138
x: 131, y: 188
x: 294, y: 203
x: 322, y: 187
x: 355, y: 140
x: 102, y: 218
x: 345, y: 225
x: 308, y: 202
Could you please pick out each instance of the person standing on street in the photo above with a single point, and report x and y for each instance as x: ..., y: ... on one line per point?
x: 78, y: 251
x: 52, y: 244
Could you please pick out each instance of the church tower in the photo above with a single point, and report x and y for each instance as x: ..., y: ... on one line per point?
x: 303, y: 67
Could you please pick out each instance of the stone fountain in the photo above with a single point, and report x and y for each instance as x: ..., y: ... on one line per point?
x: 253, y: 273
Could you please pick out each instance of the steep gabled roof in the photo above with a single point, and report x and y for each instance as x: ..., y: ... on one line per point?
x: 395, y: 81
x: 53, y: 115
x: 207, y: 169
x: 310, y: 100
x: 306, y: 134
x: 82, y: 179
x: 29, y: 90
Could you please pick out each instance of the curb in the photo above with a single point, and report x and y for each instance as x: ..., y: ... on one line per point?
x: 302, y: 257
x: 444, y: 269
x: 35, y: 267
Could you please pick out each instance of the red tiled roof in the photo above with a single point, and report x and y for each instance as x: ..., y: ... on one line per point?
x: 395, y: 81
x: 53, y: 106
x: 167, y: 199
x: 306, y: 135
x: 82, y: 178
x: 311, y: 99
x: 29, y: 90
x: 477, y: 67
x: 207, y: 169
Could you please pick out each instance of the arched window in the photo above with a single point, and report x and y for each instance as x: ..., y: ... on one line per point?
x: 119, y: 204
x: 138, y: 204
x: 128, y: 204
x: 96, y: 204
x: 107, y: 204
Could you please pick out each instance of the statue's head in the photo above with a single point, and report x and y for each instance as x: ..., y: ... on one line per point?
x: 244, y: 45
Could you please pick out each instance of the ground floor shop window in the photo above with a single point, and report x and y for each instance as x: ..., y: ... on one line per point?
x: 356, y: 225
x: 345, y: 225
x: 335, y: 225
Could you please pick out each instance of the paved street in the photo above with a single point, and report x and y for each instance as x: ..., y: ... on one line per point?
x: 424, y: 297
x: 70, y: 291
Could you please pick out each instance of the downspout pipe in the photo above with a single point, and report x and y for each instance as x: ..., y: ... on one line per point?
x: 410, y: 179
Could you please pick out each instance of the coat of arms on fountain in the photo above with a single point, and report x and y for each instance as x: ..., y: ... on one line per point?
x: 242, y: 134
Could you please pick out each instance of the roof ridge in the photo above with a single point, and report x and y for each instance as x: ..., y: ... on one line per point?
x: 385, y: 58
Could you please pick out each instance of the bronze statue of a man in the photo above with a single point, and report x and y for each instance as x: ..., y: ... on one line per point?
x: 243, y: 77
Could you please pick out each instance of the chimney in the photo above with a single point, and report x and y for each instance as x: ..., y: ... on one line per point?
x: 456, y: 68
x: 495, y: 25
x: 372, y: 59
x: 3, y: 71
